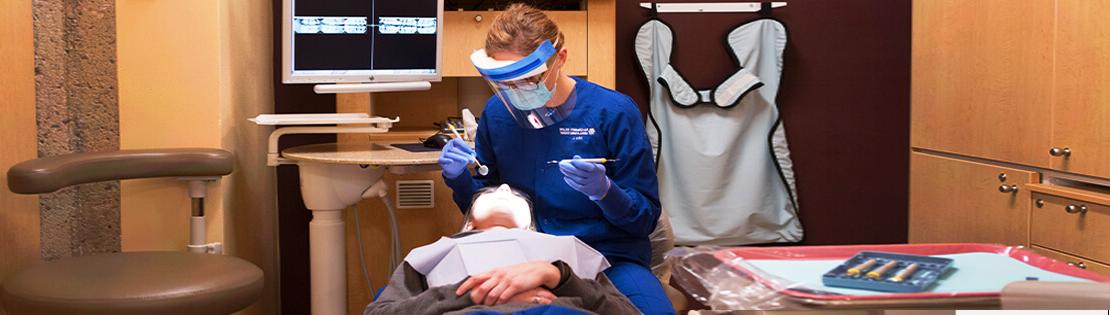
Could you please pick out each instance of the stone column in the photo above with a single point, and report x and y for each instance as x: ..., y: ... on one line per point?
x: 77, y: 108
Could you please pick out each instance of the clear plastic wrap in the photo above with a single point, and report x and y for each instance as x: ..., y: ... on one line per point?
x: 726, y: 278
x: 705, y: 278
x: 662, y: 241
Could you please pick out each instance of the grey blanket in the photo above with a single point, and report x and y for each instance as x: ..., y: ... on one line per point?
x: 408, y: 293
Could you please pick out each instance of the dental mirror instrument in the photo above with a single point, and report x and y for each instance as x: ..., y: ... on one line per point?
x: 482, y: 169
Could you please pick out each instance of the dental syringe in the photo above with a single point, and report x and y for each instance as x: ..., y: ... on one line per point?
x: 591, y: 160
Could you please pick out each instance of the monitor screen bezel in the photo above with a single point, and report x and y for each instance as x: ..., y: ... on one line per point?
x: 367, y: 76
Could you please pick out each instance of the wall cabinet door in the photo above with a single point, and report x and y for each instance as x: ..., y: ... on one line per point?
x: 1081, y: 109
x: 465, y: 31
x: 982, y: 78
x: 959, y: 201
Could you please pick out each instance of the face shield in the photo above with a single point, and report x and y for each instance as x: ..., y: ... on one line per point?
x: 522, y: 85
x: 501, y: 206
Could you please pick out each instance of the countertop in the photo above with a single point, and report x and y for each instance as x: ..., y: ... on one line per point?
x: 369, y: 153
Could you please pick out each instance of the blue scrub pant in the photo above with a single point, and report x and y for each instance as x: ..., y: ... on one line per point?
x: 641, y: 287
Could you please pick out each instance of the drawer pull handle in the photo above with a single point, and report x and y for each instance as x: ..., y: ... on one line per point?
x: 1065, y: 152
x: 1073, y: 209
x: 1078, y: 264
x: 478, y: 18
x: 1007, y: 188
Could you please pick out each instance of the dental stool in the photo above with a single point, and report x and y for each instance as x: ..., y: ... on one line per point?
x: 156, y: 282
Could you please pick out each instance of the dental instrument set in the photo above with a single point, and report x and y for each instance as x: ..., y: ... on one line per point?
x: 888, y: 272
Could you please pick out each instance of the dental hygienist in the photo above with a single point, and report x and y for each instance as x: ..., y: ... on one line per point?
x: 540, y: 114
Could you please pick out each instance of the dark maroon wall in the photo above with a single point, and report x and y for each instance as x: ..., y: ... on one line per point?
x: 293, y: 217
x: 845, y: 101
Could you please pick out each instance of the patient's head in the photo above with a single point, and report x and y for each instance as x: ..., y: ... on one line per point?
x: 499, y: 206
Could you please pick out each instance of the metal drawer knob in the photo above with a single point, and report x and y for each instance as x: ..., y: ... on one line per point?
x: 1065, y: 152
x: 1073, y: 209
x: 1007, y: 188
x: 1078, y: 264
x: 477, y: 18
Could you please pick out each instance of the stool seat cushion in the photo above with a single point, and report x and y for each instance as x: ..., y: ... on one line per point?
x: 134, y: 283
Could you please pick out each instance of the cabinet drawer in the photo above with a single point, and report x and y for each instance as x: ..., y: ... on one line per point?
x: 465, y: 31
x: 1072, y: 226
x: 1088, y: 264
x: 958, y: 201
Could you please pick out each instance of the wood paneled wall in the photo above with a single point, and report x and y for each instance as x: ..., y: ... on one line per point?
x: 19, y: 214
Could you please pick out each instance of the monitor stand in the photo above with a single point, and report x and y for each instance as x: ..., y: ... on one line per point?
x: 372, y: 87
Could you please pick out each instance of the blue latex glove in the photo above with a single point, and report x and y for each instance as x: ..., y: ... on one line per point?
x: 454, y: 158
x: 586, y: 177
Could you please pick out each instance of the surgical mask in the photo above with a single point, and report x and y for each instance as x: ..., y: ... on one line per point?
x: 502, y: 201
x: 529, y: 97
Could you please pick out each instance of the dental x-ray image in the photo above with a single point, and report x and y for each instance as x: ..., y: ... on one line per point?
x: 343, y: 35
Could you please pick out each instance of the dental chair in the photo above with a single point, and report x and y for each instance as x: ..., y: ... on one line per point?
x: 1038, y: 295
x: 153, y: 282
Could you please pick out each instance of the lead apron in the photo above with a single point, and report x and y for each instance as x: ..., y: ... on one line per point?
x: 725, y: 175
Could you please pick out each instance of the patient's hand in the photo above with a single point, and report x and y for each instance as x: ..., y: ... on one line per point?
x: 499, y: 285
x: 536, y: 296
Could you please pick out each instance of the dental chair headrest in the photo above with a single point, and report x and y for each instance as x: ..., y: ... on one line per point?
x: 44, y: 175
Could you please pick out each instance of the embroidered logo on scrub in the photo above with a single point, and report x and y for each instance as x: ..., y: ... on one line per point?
x: 577, y: 133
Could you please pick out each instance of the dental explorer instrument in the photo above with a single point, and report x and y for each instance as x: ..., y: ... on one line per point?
x: 591, y: 160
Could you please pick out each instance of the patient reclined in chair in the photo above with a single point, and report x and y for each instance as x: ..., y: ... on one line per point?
x: 498, y: 237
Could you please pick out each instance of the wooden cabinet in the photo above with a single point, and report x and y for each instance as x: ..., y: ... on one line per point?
x: 982, y: 78
x: 958, y: 201
x: 997, y: 85
x: 465, y: 32
x: 1081, y: 108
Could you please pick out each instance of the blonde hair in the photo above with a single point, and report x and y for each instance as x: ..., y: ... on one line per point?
x: 520, y: 29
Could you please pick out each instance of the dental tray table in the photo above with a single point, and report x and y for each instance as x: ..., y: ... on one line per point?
x: 792, y: 277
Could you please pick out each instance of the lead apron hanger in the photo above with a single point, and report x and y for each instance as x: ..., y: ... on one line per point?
x: 724, y: 169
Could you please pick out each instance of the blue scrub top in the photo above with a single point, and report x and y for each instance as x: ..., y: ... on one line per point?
x: 603, y: 123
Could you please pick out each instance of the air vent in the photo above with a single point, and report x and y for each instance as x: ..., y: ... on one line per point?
x: 415, y: 194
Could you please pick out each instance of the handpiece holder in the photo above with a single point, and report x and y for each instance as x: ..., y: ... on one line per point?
x: 366, y: 124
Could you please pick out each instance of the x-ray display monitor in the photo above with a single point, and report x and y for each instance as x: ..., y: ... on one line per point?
x: 330, y: 41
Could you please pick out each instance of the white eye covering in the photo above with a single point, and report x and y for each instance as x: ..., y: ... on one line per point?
x: 502, y: 200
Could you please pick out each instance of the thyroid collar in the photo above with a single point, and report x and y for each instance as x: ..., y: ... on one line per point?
x: 725, y: 95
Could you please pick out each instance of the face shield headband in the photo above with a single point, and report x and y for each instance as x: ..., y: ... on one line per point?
x: 520, y: 85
